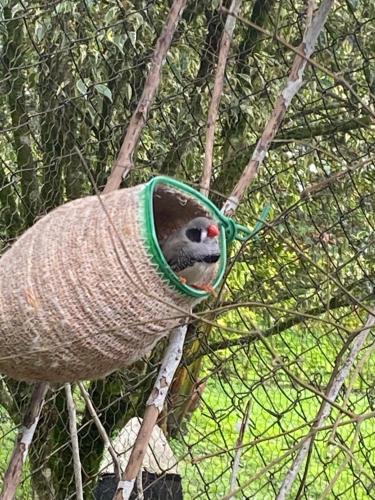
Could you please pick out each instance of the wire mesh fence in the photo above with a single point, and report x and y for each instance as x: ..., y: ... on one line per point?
x: 251, y: 390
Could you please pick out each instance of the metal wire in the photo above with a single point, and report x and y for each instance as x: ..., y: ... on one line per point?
x: 71, y: 74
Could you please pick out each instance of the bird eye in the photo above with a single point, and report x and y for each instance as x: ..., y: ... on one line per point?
x: 194, y: 234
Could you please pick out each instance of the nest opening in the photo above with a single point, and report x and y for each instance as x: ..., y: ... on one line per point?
x: 172, y: 205
x: 173, y: 209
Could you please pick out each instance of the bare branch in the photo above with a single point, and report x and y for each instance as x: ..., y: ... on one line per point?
x: 154, y: 406
x: 315, y: 188
x: 74, y: 438
x: 332, y: 392
x: 12, y: 476
x: 294, y: 83
x: 101, y: 430
x: 239, y: 448
x: 311, y: 6
x: 124, y: 162
x: 216, y: 95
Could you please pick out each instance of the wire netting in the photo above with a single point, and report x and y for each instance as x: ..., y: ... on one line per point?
x: 296, y: 296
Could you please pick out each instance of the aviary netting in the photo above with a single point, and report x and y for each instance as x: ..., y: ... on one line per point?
x: 274, y: 395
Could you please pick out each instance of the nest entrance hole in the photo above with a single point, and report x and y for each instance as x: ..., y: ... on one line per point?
x: 173, y: 209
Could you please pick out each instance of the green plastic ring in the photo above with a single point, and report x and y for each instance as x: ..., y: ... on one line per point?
x: 232, y: 231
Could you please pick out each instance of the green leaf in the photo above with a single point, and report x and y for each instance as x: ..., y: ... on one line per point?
x: 132, y: 37
x: 104, y: 90
x: 82, y: 87
x: 119, y: 41
x: 245, y: 77
x: 136, y: 20
x: 353, y: 3
x: 64, y: 8
x: 110, y: 15
x: 128, y: 92
x: 16, y: 8
x: 40, y: 31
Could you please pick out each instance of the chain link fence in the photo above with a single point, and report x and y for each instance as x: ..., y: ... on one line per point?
x: 252, y: 387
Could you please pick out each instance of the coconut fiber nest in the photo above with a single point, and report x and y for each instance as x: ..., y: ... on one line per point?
x: 87, y: 290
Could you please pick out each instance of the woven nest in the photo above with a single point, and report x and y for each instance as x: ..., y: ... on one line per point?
x: 81, y: 296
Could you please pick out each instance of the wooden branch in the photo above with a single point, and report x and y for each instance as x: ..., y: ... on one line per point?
x: 154, y: 406
x: 335, y: 76
x: 74, y: 439
x: 12, y: 476
x: 216, y: 95
x: 309, y: 13
x: 332, y: 392
x: 315, y: 188
x: 294, y: 83
x: 103, y: 434
x: 124, y: 162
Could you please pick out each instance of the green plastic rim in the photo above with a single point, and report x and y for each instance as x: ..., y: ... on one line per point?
x: 153, y: 243
x: 232, y: 231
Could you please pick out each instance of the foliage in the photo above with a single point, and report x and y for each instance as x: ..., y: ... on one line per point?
x: 71, y: 75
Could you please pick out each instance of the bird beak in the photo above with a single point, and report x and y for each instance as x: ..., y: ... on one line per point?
x: 212, y: 231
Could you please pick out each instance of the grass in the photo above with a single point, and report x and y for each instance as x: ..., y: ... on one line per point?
x: 214, y: 428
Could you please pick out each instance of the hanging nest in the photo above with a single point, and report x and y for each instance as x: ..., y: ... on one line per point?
x: 86, y: 290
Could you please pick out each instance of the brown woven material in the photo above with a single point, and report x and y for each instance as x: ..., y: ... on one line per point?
x: 80, y: 297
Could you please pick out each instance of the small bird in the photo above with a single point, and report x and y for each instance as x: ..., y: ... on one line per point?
x: 193, y: 252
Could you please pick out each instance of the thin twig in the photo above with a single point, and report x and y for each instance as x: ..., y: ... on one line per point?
x: 13, y: 473
x: 154, y: 406
x: 274, y: 437
x: 356, y: 372
x: 348, y: 457
x: 103, y: 434
x: 337, y: 77
x: 140, y: 495
x: 332, y: 392
x: 74, y: 439
x: 213, y: 111
x: 239, y: 448
x: 315, y: 188
x: 124, y: 162
x: 293, y: 85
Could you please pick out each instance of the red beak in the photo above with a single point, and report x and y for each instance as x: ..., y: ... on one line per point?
x: 212, y: 231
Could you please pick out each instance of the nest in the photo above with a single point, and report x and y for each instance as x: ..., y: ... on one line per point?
x: 81, y: 294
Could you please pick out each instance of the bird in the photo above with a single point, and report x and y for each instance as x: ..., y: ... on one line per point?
x: 193, y: 252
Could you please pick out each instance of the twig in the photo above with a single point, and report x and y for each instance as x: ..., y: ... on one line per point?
x: 263, y: 470
x: 358, y: 369
x: 216, y: 94
x: 124, y: 162
x: 315, y: 188
x: 239, y: 448
x: 30, y: 421
x: 140, y: 495
x: 255, y: 442
x: 74, y: 438
x: 154, y: 406
x: 103, y: 434
x: 349, y: 454
x: 294, y: 83
x: 332, y: 392
x: 335, y: 76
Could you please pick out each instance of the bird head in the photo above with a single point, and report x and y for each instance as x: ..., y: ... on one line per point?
x: 197, y: 242
x: 202, y: 230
